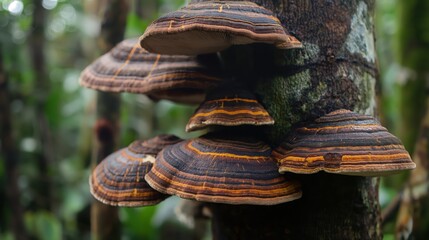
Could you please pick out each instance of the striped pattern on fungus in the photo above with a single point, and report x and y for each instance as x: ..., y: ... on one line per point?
x: 119, y: 179
x: 343, y: 142
x: 212, y: 26
x: 130, y: 68
x: 214, y: 168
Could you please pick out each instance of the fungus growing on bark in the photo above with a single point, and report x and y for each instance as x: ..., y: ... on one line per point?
x: 119, y: 179
x: 229, y: 106
x: 130, y: 68
x: 343, y: 142
x: 222, y: 168
x: 212, y: 26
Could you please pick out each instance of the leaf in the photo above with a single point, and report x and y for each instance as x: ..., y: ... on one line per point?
x: 135, y: 25
x: 137, y: 222
x: 43, y: 225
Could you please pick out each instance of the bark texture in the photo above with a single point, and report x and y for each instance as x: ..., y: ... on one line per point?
x: 104, y: 219
x: 335, y: 69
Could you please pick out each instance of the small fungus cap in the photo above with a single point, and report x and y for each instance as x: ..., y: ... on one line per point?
x: 130, y: 68
x: 154, y: 145
x: 212, y: 26
x: 220, y: 169
x: 119, y: 179
x: 343, y: 142
x: 229, y: 106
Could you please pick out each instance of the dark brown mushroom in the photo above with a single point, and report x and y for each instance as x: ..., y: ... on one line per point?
x: 229, y: 106
x: 119, y: 179
x: 223, y: 169
x: 154, y: 145
x: 129, y: 68
x: 212, y: 26
x: 343, y: 142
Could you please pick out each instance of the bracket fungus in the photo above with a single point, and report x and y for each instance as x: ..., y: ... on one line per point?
x: 222, y: 169
x: 343, y: 142
x: 119, y: 179
x: 212, y: 26
x: 130, y: 68
x: 229, y: 106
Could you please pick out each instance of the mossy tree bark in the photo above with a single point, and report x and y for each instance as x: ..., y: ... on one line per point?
x: 104, y: 219
x: 335, y: 69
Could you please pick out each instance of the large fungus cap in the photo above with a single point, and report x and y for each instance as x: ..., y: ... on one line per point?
x: 213, y: 26
x: 343, y: 142
x: 229, y: 106
x: 220, y: 169
x: 119, y: 179
x: 129, y: 68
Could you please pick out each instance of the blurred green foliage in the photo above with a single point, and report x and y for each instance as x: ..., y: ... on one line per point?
x: 71, y: 44
x: 70, y: 36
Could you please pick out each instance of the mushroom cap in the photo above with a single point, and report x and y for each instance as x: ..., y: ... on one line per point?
x: 229, y: 106
x: 231, y: 170
x: 343, y: 142
x: 130, y: 68
x: 154, y: 145
x: 212, y: 26
x: 119, y: 179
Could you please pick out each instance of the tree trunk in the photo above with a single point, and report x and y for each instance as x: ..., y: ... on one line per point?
x: 104, y: 219
x: 43, y: 129
x: 10, y: 156
x: 335, y: 69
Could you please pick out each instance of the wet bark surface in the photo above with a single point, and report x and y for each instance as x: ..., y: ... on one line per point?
x: 335, y: 69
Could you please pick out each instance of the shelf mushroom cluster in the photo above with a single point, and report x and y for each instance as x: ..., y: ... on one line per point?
x: 226, y: 165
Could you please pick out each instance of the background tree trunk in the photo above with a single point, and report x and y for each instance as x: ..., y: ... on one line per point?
x: 413, y: 53
x: 335, y: 69
x: 104, y: 219
x: 10, y: 156
x: 42, y: 85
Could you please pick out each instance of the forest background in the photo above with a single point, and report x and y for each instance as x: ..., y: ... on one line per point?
x: 47, y: 118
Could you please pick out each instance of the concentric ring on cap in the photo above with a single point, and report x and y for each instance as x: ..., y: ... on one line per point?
x: 215, y: 168
x: 229, y: 106
x: 130, y: 68
x: 343, y: 142
x: 212, y: 26
x: 119, y: 179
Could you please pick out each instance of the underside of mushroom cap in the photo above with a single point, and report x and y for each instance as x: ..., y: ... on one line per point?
x: 343, y: 142
x: 221, y: 169
x: 212, y: 26
x: 129, y: 68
